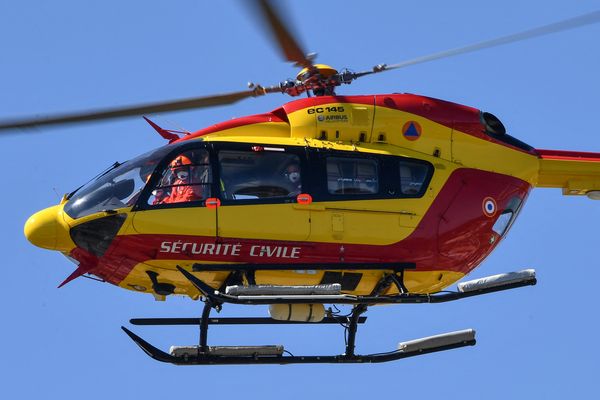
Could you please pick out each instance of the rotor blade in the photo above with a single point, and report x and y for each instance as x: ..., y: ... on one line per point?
x: 119, y: 112
x: 288, y: 44
x: 586, y: 19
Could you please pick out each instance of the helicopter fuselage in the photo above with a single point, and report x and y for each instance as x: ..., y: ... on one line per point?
x: 386, y: 180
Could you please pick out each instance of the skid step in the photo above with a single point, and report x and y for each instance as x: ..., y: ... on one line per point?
x: 231, y: 351
x: 254, y: 290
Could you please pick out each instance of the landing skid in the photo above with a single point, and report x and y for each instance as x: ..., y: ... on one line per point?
x: 196, y: 356
x: 203, y: 354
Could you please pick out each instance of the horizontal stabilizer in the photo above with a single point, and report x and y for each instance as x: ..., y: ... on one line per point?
x: 576, y: 173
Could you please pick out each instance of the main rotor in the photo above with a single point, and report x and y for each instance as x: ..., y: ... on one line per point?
x: 313, y: 79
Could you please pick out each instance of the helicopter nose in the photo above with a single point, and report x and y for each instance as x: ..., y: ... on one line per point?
x: 47, y: 229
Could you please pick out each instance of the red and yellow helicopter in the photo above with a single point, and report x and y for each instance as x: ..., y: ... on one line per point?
x: 330, y: 199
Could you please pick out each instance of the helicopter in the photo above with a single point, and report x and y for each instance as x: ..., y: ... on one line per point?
x: 373, y: 170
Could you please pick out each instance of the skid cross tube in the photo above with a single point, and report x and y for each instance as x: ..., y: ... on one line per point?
x: 231, y: 321
x: 402, y: 298
x: 204, y: 326
x: 383, y: 284
x: 352, y: 328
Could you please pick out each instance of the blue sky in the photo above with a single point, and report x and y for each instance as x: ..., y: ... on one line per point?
x: 535, y: 342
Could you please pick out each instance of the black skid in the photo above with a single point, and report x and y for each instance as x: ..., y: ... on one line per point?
x: 208, y: 359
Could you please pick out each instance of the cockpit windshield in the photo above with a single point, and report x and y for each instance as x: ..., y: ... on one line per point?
x: 119, y: 187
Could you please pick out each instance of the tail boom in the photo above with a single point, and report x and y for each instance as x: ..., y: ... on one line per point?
x: 575, y: 172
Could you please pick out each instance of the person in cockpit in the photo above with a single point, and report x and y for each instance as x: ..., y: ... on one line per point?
x: 182, y: 188
x: 293, y: 178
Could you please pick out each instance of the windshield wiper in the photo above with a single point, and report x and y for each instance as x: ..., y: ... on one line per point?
x: 115, y: 165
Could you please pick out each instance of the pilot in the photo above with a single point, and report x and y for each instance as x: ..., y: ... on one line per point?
x: 183, y: 190
x: 292, y: 175
x: 159, y: 196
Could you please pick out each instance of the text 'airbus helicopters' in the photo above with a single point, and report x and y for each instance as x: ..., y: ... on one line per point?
x: 358, y: 200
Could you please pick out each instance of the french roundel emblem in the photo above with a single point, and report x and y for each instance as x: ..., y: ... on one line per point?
x: 489, y: 207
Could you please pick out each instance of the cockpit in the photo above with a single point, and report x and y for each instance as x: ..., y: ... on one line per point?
x: 116, y: 188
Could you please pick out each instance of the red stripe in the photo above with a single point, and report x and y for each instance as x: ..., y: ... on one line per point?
x: 440, y: 111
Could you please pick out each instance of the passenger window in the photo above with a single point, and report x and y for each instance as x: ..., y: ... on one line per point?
x: 247, y: 175
x: 507, y: 217
x: 412, y: 177
x: 352, y: 176
x: 187, y: 178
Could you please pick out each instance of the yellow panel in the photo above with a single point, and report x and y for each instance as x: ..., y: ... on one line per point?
x: 434, y: 137
x: 196, y: 221
x: 473, y: 152
x: 362, y: 115
x: 265, y: 221
x: 251, y: 136
x: 344, y: 122
x: 430, y: 281
x: 302, y: 124
x: 337, y: 225
x: 364, y: 222
x: 415, y: 282
x: 265, y: 130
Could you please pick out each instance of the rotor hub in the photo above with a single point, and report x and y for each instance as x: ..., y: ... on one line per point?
x: 325, y: 71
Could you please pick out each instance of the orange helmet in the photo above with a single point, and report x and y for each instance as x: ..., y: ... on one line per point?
x: 180, y: 161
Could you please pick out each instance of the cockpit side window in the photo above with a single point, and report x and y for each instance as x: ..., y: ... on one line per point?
x: 186, y: 178
x: 253, y: 175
